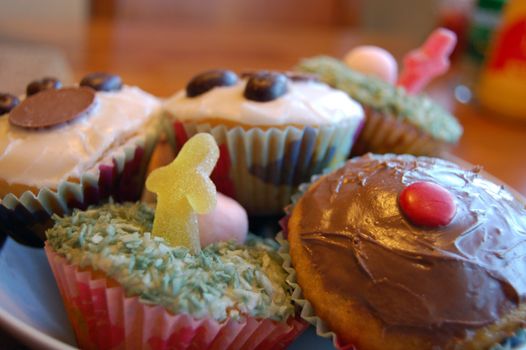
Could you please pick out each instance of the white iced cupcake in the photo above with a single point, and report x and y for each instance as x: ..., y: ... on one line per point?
x: 274, y: 131
x: 64, y: 148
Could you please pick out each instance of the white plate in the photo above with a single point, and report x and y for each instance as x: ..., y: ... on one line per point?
x: 30, y: 304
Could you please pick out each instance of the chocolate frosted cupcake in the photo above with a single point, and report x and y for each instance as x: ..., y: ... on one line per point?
x: 274, y: 131
x: 64, y: 148
x: 125, y: 288
x: 396, y: 122
x: 410, y: 253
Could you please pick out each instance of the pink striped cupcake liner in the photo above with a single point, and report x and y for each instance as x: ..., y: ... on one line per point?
x: 103, y: 317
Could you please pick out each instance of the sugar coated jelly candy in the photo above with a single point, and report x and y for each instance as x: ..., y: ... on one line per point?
x: 428, y: 61
x: 184, y: 189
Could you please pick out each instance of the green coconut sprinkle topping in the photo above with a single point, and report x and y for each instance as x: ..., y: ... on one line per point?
x: 420, y: 110
x: 225, y: 279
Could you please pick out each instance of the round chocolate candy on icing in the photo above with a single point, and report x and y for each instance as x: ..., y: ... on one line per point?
x: 102, y: 81
x: 208, y: 80
x: 266, y: 86
x: 427, y: 204
x: 52, y: 107
x: 42, y: 84
x: 7, y: 103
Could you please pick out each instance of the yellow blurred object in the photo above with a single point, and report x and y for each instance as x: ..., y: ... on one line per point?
x: 184, y: 189
x: 502, y: 86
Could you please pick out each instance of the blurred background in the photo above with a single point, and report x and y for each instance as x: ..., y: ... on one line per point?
x: 60, y: 31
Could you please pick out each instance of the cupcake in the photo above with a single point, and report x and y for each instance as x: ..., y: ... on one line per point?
x: 68, y: 147
x: 396, y: 121
x: 410, y: 252
x: 274, y: 131
x: 124, y: 288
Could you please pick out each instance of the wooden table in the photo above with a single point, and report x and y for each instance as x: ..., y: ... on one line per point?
x: 161, y: 57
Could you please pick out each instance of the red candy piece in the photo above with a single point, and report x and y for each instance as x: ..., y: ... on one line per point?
x: 427, y: 204
x: 428, y: 61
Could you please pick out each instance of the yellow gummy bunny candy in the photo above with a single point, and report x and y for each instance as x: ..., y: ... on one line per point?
x: 184, y: 189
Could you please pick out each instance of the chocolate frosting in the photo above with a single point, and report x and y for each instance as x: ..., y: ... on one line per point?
x: 443, y: 281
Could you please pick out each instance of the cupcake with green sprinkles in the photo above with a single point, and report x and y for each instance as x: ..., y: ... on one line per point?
x: 127, y: 282
x: 398, y: 118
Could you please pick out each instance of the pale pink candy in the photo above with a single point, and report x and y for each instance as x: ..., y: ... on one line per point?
x: 373, y: 60
x: 428, y: 61
x: 228, y: 221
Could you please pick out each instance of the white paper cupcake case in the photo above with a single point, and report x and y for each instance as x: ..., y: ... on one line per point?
x: 119, y: 175
x: 307, y: 311
x: 260, y: 168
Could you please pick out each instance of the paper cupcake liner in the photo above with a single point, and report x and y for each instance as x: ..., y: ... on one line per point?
x: 307, y: 311
x: 516, y: 341
x: 261, y: 169
x: 386, y: 133
x: 104, y: 318
x: 120, y: 175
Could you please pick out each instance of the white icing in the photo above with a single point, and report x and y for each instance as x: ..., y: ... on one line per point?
x: 306, y: 103
x: 45, y: 157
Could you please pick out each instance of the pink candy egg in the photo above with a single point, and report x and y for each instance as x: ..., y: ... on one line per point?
x: 373, y: 60
x: 228, y: 221
x: 427, y: 204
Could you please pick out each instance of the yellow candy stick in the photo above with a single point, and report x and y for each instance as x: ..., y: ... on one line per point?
x: 184, y: 189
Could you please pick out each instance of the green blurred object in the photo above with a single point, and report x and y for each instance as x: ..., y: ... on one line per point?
x: 485, y: 18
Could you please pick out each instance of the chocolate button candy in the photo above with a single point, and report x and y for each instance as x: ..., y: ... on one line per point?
x: 266, y: 86
x: 42, y: 84
x: 52, y: 107
x: 208, y: 80
x: 102, y: 81
x: 7, y: 103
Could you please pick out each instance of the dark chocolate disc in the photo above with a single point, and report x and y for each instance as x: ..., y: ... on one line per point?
x: 52, y: 107
x: 102, y: 81
x: 208, y: 80
x: 7, y: 103
x: 42, y: 84
x: 266, y: 86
